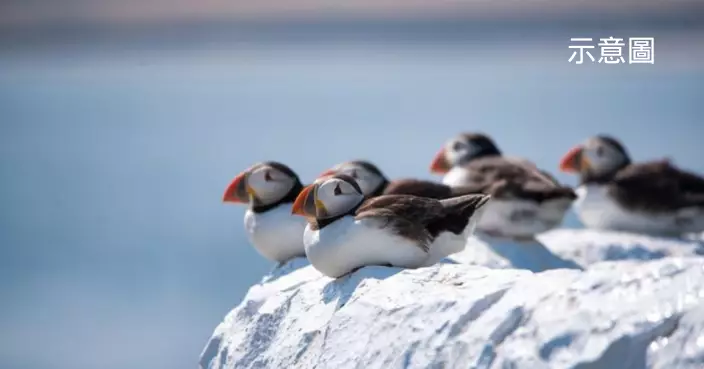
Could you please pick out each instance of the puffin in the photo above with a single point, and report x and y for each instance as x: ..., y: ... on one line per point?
x: 346, y: 230
x: 653, y: 197
x: 525, y: 199
x: 374, y: 183
x: 269, y: 189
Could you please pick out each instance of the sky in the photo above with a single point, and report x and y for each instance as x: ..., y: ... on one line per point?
x: 115, y: 248
x: 41, y: 12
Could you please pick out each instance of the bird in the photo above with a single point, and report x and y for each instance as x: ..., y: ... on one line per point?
x: 653, y: 197
x: 525, y: 199
x: 347, y: 231
x: 374, y: 183
x: 269, y: 189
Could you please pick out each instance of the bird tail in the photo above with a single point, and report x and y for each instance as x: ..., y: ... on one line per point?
x: 461, y: 216
x: 463, y: 212
x: 465, y: 206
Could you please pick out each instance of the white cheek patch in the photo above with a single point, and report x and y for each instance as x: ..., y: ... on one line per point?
x: 466, y: 151
x: 608, y: 161
x: 453, y: 157
x: 269, y: 191
x: 339, y: 204
x: 369, y: 183
x: 336, y: 205
x: 592, y: 157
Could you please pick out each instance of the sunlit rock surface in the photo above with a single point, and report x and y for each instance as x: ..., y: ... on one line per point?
x: 573, y: 248
x: 616, y: 314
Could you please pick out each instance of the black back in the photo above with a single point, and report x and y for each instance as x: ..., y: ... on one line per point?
x: 422, y: 219
x: 417, y: 187
x: 504, y: 178
x: 656, y: 186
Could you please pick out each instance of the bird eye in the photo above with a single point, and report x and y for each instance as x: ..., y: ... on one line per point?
x: 337, y: 191
x: 267, y: 176
x: 599, y: 151
x: 457, y: 146
x: 353, y: 174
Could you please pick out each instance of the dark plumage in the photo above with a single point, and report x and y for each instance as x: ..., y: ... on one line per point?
x: 422, y: 219
x: 421, y: 188
x: 656, y: 187
x: 505, y: 178
x: 405, y: 186
x: 484, y: 145
x: 486, y: 170
x: 398, y: 230
x: 237, y: 191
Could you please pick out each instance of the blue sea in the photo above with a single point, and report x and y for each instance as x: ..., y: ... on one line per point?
x: 115, y: 248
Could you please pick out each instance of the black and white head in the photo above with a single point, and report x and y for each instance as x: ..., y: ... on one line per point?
x: 263, y: 184
x: 461, y: 150
x: 598, y: 157
x: 368, y: 176
x: 330, y: 198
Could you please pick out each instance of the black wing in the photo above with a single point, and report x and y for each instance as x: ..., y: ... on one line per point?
x: 417, y: 187
x: 406, y: 215
x: 657, y: 186
x: 511, y: 178
x: 422, y: 219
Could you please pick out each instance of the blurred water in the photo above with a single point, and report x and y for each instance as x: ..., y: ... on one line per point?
x: 115, y: 250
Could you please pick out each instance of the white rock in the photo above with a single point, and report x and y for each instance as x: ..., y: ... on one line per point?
x: 589, y: 246
x: 498, y: 253
x: 626, y: 314
x: 572, y: 248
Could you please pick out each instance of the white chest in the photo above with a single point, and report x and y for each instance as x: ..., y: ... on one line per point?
x: 457, y: 176
x: 348, y: 244
x: 276, y: 234
x: 596, y: 208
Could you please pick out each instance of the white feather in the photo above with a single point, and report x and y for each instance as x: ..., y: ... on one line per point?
x: 276, y: 234
x: 457, y: 176
x: 448, y: 243
x: 522, y: 218
x: 597, y: 209
x: 348, y: 244
x: 512, y: 218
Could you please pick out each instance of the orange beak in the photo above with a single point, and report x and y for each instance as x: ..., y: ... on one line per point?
x: 440, y: 165
x: 572, y: 161
x: 236, y: 192
x: 305, y: 203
